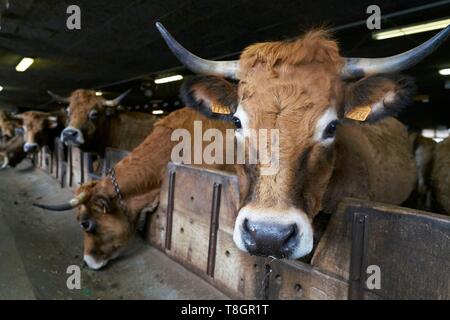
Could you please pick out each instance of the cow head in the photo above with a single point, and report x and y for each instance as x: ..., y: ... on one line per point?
x: 87, y: 112
x: 298, y: 88
x: 108, y: 224
x: 37, y: 126
x: 8, y: 126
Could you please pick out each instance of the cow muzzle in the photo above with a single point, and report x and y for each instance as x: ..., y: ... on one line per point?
x: 31, y: 147
x: 267, y: 232
x: 72, y: 136
x: 93, y: 263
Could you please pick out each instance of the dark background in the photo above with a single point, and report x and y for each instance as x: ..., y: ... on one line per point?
x: 118, y: 46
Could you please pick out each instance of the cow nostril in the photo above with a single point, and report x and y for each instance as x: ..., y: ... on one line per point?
x: 291, y: 236
x: 245, y: 226
x: 71, y: 133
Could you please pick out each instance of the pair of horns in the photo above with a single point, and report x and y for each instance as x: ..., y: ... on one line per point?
x: 73, y: 203
x: 352, y: 68
x: 109, y: 103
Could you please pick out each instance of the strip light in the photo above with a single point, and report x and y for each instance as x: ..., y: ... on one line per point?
x: 24, y: 64
x: 411, y: 29
x: 157, y: 112
x: 169, y: 79
x: 445, y: 72
x: 98, y: 93
x: 1, y: 88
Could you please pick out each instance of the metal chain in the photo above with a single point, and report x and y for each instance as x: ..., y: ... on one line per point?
x: 116, y: 187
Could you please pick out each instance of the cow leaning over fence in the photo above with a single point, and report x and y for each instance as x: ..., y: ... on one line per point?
x: 95, y: 123
x: 302, y: 90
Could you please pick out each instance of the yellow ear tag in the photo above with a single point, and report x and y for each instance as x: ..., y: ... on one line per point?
x: 217, y: 108
x: 359, y: 113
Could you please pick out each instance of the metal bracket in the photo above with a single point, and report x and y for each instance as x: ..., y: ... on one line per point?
x: 358, y: 256
x: 170, y: 204
x: 214, y: 227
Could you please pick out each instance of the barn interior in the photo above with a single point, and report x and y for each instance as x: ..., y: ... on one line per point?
x: 118, y: 48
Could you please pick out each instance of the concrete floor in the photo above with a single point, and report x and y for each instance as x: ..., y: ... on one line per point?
x: 37, y: 246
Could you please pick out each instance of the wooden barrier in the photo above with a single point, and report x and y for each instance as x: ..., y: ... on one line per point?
x: 194, y: 226
x: 198, y: 208
x: 55, y: 158
x: 411, y: 249
x: 46, y: 159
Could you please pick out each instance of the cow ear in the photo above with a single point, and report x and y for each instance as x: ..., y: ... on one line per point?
x: 104, y: 204
x: 376, y: 97
x: 212, y: 96
x: 52, y: 121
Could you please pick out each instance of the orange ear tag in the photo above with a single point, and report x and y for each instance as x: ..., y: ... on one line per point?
x: 359, y: 113
x: 217, y: 108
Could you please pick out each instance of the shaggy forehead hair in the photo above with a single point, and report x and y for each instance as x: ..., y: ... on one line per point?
x: 315, y: 46
x: 84, y: 96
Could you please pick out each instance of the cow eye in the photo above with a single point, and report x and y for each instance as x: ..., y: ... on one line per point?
x: 19, y: 131
x: 88, y: 225
x: 237, y: 123
x: 93, y: 115
x: 330, y: 130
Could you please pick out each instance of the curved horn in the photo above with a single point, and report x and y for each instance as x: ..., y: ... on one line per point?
x: 5, y: 161
x: 358, y: 67
x: 116, y: 101
x: 75, y: 202
x: 229, y: 69
x: 58, y: 97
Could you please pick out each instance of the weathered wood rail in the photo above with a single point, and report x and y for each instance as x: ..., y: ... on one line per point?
x: 194, y: 226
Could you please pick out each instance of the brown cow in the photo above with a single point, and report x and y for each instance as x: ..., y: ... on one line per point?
x: 423, y: 149
x: 297, y: 89
x: 12, y: 152
x: 440, y: 177
x: 7, y: 126
x: 41, y: 129
x: 109, y: 223
x: 94, y: 123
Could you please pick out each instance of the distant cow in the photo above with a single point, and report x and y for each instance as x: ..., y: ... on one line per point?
x: 423, y: 149
x: 12, y: 152
x: 41, y: 129
x: 94, y: 123
x: 301, y: 89
x: 108, y: 222
x: 440, y: 177
x: 7, y: 126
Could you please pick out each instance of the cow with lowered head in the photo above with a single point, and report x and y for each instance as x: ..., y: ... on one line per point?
x: 7, y: 126
x: 95, y: 123
x: 337, y: 137
x: 12, y: 152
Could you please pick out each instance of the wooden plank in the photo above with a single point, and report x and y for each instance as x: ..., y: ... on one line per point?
x: 295, y: 280
x: 411, y: 248
x: 77, y: 167
x: 234, y: 272
x: 55, y: 159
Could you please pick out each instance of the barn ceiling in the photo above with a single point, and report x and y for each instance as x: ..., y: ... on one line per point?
x: 118, y: 46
